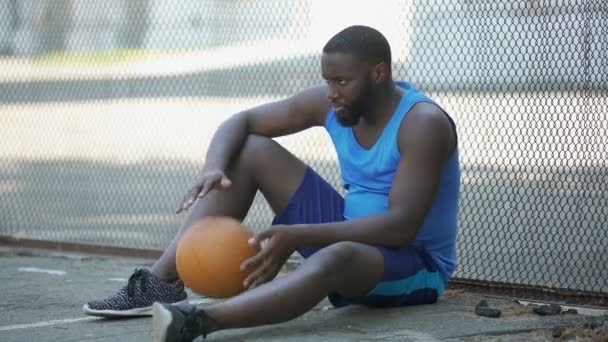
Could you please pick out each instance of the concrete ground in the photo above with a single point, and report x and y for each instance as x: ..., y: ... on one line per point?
x: 43, y: 293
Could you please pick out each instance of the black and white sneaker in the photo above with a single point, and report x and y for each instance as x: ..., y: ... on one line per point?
x: 178, y: 323
x: 136, y: 299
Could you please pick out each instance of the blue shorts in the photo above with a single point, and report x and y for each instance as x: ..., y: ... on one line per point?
x: 410, y: 276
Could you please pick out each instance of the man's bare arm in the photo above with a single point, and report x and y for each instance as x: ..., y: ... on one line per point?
x: 294, y: 114
x: 297, y: 113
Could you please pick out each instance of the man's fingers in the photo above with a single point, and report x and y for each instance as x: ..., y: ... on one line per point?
x: 254, y: 260
x: 187, y: 204
x: 259, y: 281
x: 225, y: 182
x: 183, y: 207
x: 255, y: 243
x: 261, y: 236
x: 268, y: 273
x: 258, y: 275
x: 222, y: 183
x: 204, y: 191
x: 189, y: 199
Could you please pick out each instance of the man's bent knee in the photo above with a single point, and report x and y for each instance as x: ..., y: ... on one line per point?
x: 257, y: 149
x: 344, y: 259
x: 339, y: 253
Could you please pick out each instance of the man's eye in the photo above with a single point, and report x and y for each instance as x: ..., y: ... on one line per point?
x: 342, y: 82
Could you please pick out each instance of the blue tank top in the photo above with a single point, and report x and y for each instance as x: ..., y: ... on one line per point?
x: 368, y: 177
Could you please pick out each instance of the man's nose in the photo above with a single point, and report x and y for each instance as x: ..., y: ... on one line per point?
x: 332, y: 94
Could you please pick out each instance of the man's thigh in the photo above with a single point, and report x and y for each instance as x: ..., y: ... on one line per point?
x: 276, y: 172
x: 314, y: 201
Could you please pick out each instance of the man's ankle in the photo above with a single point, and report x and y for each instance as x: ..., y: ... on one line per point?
x: 165, y: 277
x: 207, y: 324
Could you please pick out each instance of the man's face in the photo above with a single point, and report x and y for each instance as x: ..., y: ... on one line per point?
x: 349, y: 86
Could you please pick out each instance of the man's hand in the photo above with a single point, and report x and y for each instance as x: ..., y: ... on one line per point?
x: 210, y: 180
x: 277, y: 244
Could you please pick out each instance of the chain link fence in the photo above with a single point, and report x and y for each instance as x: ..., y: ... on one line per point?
x: 106, y: 109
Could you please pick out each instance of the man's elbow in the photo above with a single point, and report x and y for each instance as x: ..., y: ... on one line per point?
x: 402, y: 238
x: 404, y: 229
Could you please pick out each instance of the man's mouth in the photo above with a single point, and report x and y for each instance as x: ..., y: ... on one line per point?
x: 340, y: 109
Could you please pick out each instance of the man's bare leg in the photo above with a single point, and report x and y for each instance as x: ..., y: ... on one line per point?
x: 348, y: 268
x: 257, y: 167
x: 263, y: 165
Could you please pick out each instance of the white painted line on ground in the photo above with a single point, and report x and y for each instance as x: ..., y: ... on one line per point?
x: 41, y: 270
x: 81, y: 319
x: 118, y: 279
x: 45, y: 324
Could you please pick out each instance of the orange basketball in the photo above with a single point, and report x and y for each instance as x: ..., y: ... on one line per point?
x: 209, y: 256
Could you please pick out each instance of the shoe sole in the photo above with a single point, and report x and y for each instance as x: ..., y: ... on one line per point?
x: 161, y: 320
x: 137, y: 312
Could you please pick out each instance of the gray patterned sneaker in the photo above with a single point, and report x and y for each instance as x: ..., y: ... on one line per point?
x: 136, y: 299
x: 180, y: 323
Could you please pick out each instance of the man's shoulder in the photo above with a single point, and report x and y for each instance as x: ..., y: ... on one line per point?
x: 425, y: 115
x: 428, y: 122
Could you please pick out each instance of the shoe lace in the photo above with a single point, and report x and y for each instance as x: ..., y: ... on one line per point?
x: 142, y: 276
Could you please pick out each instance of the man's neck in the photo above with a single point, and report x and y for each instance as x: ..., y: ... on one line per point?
x: 385, y: 103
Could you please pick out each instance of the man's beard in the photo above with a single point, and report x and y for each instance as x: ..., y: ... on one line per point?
x: 357, y: 109
x: 351, y: 119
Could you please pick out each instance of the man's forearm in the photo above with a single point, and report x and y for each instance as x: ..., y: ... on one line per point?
x: 389, y: 229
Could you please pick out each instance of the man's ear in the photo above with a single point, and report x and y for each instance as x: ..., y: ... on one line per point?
x: 380, y: 73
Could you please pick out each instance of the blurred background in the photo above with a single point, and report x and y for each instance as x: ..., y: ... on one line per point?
x: 107, y: 107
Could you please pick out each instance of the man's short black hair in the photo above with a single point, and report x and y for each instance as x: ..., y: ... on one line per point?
x: 363, y: 42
